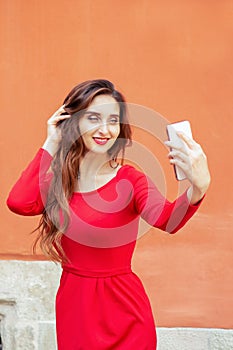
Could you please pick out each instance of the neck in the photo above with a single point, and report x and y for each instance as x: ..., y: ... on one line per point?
x: 93, y: 164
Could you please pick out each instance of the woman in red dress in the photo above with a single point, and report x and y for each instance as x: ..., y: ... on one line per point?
x: 90, y: 206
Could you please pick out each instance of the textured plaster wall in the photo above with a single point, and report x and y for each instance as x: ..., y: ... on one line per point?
x: 174, y: 57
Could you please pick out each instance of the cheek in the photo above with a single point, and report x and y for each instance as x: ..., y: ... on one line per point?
x: 116, y: 131
x: 85, y: 135
x: 86, y: 130
x: 83, y: 128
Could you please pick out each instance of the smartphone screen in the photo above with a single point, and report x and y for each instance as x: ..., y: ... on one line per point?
x: 185, y: 127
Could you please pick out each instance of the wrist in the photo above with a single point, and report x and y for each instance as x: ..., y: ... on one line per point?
x: 195, y: 194
x: 50, y: 146
x: 202, y: 189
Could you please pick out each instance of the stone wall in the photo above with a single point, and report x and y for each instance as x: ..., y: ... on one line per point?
x: 27, y: 296
x: 194, y: 339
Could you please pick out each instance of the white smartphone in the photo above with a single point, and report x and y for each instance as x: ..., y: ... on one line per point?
x: 172, y: 130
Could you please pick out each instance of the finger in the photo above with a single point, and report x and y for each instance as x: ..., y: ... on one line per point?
x: 178, y: 162
x: 60, y: 110
x: 182, y: 147
x: 55, y: 119
x: 187, y: 140
x: 179, y: 154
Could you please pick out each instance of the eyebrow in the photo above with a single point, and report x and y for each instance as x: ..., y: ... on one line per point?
x: 99, y: 114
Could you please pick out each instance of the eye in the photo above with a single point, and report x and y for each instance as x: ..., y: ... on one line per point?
x: 114, y: 120
x: 93, y: 118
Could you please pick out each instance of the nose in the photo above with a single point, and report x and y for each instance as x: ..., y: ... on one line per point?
x: 103, y: 128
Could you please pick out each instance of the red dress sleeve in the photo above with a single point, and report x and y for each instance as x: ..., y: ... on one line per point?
x: 28, y: 195
x: 156, y: 210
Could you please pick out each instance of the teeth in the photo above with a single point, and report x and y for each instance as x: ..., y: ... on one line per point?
x: 99, y: 138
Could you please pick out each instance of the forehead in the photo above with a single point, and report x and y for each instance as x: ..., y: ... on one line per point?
x: 104, y: 104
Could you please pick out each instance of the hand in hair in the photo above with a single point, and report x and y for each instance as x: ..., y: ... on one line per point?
x: 53, y: 132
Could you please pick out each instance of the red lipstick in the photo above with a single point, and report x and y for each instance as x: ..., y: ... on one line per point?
x: 100, y: 140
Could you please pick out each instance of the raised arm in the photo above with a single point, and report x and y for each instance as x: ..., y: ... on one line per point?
x: 28, y: 195
x: 157, y: 211
x: 171, y: 216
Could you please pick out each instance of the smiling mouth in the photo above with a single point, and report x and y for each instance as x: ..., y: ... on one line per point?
x: 100, y: 140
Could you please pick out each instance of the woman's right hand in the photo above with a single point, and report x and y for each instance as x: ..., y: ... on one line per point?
x: 53, y: 131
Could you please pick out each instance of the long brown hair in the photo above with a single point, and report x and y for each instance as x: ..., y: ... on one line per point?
x: 65, y: 164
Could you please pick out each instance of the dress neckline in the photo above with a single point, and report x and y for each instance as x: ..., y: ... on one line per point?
x: 103, y: 186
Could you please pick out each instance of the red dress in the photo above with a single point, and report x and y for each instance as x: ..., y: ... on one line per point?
x: 101, y: 304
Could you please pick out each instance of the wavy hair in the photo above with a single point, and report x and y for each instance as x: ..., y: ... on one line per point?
x: 65, y: 164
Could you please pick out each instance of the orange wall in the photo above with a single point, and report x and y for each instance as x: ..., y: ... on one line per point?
x: 174, y: 57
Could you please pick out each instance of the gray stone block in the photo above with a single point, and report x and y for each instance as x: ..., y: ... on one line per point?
x: 194, y: 339
x: 221, y: 340
x: 47, y: 336
x: 25, y: 336
x: 27, y: 304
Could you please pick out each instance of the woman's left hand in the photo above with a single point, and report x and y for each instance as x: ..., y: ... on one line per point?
x: 193, y: 162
